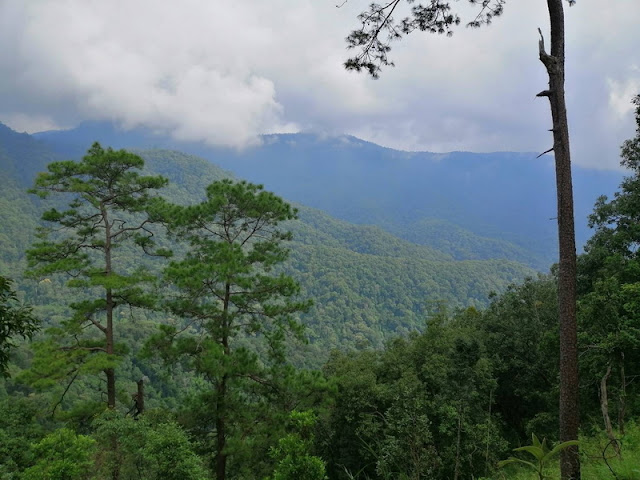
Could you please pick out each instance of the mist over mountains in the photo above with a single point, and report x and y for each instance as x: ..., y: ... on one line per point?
x: 467, y: 205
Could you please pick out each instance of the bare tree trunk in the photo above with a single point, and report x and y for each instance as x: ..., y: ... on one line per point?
x: 604, y: 406
x: 569, y: 414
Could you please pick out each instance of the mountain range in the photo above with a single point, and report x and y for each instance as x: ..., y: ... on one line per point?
x: 469, y: 205
x: 375, y: 258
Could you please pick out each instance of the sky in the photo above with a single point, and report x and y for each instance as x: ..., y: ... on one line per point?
x: 226, y: 71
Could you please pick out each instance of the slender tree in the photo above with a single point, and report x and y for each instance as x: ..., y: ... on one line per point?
x: 227, y: 292
x: 569, y: 415
x: 107, y: 199
x: 373, y: 41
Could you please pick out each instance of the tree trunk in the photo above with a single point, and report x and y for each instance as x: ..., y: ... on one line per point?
x: 622, y: 401
x: 108, y: 332
x: 140, y: 398
x: 221, y: 456
x: 109, y: 372
x: 604, y: 406
x: 569, y: 414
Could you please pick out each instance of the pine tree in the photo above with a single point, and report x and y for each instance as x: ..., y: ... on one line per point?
x: 107, y: 201
x: 232, y: 301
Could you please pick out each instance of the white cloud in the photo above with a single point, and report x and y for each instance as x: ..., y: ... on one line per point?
x: 225, y: 71
x: 143, y: 63
x: 620, y: 92
x: 21, y: 122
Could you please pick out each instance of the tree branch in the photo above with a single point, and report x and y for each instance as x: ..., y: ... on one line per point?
x: 546, y: 151
x: 59, y: 402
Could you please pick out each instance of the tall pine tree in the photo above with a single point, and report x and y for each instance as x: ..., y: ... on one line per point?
x: 234, y: 303
x: 107, y: 201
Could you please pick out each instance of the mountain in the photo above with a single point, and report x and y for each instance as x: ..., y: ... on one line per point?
x: 368, y: 284
x: 471, y: 206
x: 18, y: 213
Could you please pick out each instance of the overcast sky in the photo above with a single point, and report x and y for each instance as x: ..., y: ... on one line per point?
x: 225, y: 71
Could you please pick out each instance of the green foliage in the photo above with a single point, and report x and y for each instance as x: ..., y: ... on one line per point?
x: 609, y: 283
x: 362, y: 300
x: 16, y: 320
x: 419, y: 409
x: 541, y: 454
x: 598, y: 461
x: 521, y: 332
x: 152, y: 447
x: 62, y: 455
x: 601, y: 460
x: 293, y: 453
x: 19, y: 429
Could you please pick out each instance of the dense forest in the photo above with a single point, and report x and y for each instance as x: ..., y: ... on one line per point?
x: 368, y: 284
x: 162, y: 319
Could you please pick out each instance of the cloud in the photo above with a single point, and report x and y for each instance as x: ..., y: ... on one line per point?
x: 620, y: 92
x: 140, y: 63
x: 21, y: 122
x: 226, y: 71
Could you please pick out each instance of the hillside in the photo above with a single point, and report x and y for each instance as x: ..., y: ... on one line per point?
x: 368, y: 285
x: 20, y: 159
x: 468, y: 205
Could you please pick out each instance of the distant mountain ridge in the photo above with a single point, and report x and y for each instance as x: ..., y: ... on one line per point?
x: 468, y: 205
x: 368, y: 285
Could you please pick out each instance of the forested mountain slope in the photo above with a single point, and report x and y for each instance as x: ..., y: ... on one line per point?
x: 20, y: 159
x: 471, y: 206
x: 367, y: 284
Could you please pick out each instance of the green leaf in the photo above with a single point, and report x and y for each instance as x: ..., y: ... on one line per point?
x: 558, y: 448
x: 535, y: 451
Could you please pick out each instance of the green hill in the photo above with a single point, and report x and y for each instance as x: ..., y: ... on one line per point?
x: 367, y: 284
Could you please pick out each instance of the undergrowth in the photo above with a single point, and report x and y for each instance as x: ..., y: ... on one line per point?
x: 598, y: 460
